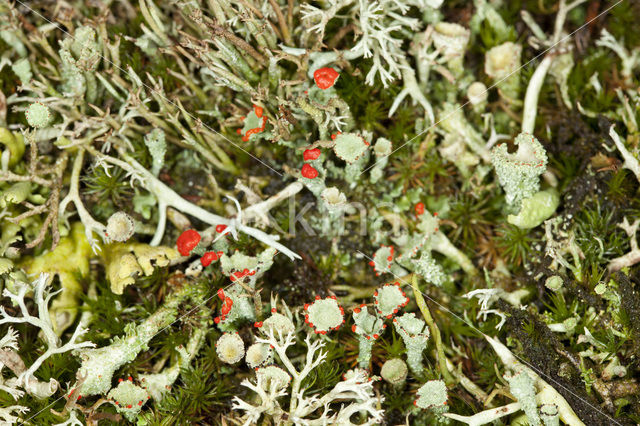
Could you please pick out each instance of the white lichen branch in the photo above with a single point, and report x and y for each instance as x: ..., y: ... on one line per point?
x: 412, y: 89
x: 90, y: 224
x: 7, y: 414
x: 487, y: 416
x: 41, y: 296
x: 630, y: 161
x: 629, y: 59
x: 169, y: 198
x: 357, y: 389
x: 268, y: 400
x: 532, y: 94
x: 546, y: 393
x: 633, y: 256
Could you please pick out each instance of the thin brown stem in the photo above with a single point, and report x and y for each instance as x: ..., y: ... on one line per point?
x: 217, y: 30
x: 51, y: 221
x: 284, y: 29
x: 31, y: 212
x: 290, y: 5
x: 12, y: 177
x: 339, y: 35
x: 435, y: 331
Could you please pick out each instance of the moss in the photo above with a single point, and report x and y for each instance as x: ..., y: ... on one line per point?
x: 322, y: 380
x: 595, y: 193
x: 540, y: 349
x: 620, y: 19
x: 595, y: 62
x: 515, y: 243
x: 631, y: 307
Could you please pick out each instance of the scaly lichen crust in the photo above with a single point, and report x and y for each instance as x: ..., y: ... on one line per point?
x: 394, y: 371
x: 98, y: 365
x: 120, y: 227
x: 433, y: 396
x: 258, y: 355
x: 415, y: 335
x: 349, y: 146
x: 382, y: 260
x: 230, y: 348
x: 518, y: 173
x: 324, y: 315
x: 368, y: 328
x: 128, y: 398
x: 38, y: 115
x: 273, y: 377
x: 522, y: 386
x: 389, y: 299
x: 254, y: 125
x: 430, y: 270
x: 277, y: 324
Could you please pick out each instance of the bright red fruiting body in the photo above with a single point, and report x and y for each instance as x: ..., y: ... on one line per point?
x: 311, y: 154
x: 241, y: 274
x: 325, y: 77
x: 187, y: 241
x: 221, y: 293
x: 257, y: 324
x: 226, y: 306
x: 309, y: 171
x: 208, y: 257
x: 258, y: 111
x: 220, y: 228
x: 353, y: 328
x: 419, y: 208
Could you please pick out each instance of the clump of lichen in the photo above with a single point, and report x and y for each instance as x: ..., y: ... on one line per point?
x: 195, y: 197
